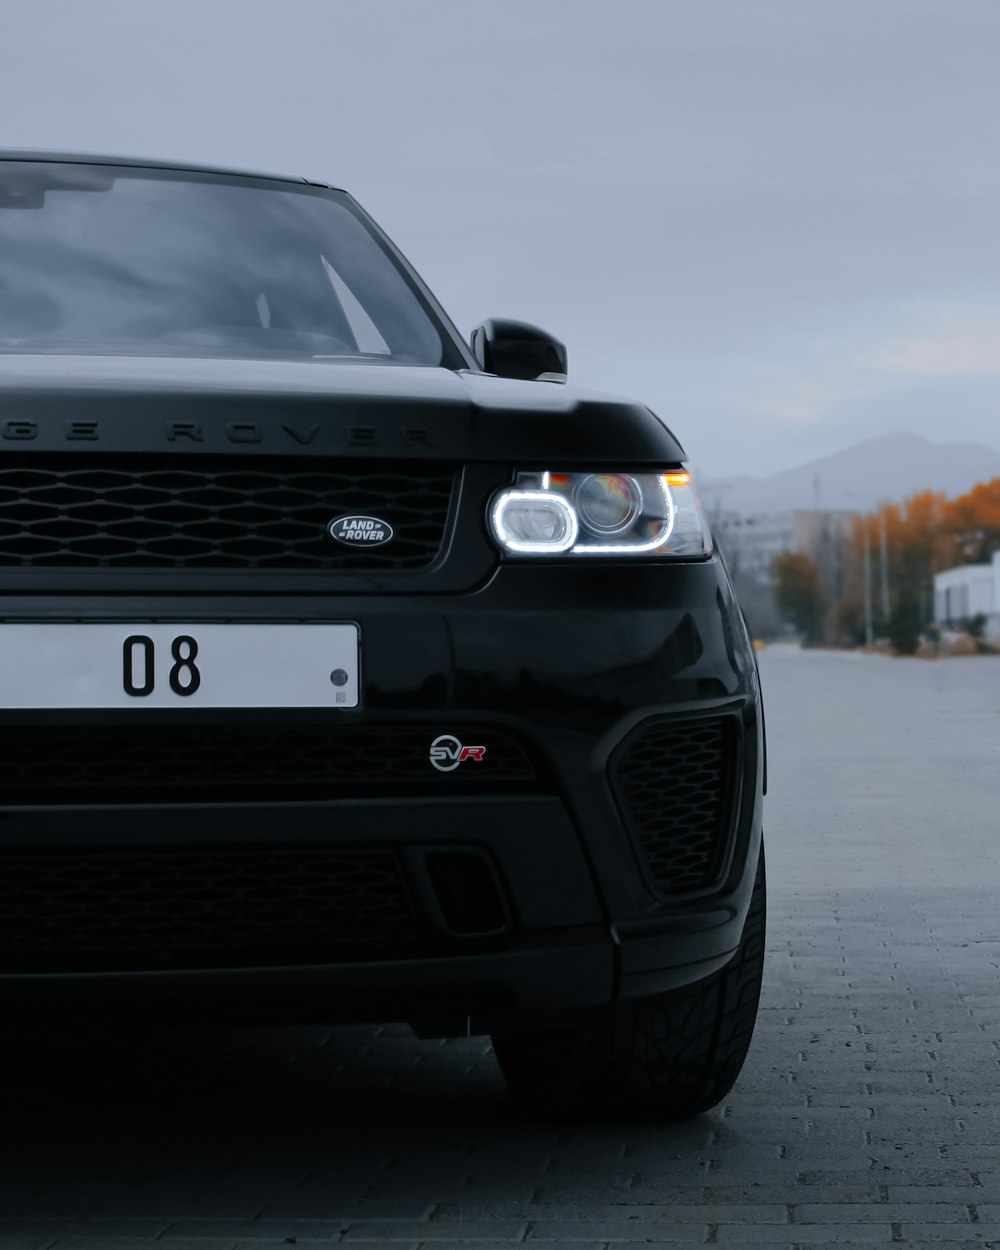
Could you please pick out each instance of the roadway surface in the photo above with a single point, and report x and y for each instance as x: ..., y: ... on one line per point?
x: 868, y: 1113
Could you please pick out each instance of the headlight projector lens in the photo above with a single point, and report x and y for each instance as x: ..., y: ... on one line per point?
x: 608, y: 503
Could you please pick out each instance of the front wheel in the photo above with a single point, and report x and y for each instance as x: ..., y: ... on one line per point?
x: 667, y: 1057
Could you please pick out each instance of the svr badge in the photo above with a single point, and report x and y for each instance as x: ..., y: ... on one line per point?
x: 447, y: 753
x: 360, y: 531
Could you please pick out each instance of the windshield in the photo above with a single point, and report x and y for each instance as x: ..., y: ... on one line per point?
x: 97, y: 258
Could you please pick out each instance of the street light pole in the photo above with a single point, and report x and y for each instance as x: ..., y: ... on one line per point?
x: 869, y: 632
x: 883, y: 543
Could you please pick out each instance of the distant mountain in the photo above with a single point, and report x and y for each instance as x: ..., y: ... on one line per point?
x: 886, y: 468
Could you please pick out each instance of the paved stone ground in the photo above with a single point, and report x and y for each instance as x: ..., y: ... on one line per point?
x: 869, y: 1111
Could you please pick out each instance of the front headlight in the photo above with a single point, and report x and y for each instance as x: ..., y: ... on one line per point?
x: 601, y: 514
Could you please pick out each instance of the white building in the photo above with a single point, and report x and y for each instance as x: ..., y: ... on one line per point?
x: 968, y: 591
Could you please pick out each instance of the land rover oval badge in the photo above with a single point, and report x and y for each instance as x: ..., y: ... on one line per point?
x: 360, y: 531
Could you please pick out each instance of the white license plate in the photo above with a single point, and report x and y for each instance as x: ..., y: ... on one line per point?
x: 183, y: 666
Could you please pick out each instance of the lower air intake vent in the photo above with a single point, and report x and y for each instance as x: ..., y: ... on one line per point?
x: 676, y: 783
x: 230, y: 907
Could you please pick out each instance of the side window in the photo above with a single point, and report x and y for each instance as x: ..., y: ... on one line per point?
x: 365, y: 332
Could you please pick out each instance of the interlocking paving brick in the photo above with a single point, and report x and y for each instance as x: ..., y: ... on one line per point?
x: 42, y: 1227
x: 615, y: 1230
x: 437, y: 1230
x: 895, y: 1212
x: 316, y: 1206
x: 81, y: 1242
x: 805, y: 1234
x: 245, y: 1230
x: 950, y: 1233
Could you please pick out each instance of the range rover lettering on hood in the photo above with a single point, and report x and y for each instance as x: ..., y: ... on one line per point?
x: 180, y: 432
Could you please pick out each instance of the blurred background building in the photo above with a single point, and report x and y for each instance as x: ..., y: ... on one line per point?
x: 750, y: 543
x: 967, y: 592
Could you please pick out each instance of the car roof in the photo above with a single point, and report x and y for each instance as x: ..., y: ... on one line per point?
x: 143, y: 162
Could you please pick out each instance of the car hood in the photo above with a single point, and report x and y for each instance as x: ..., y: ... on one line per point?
x: 80, y: 403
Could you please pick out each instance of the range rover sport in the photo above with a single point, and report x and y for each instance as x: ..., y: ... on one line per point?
x: 349, y: 671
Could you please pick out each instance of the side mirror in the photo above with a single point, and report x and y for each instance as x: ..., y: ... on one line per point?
x: 514, y: 349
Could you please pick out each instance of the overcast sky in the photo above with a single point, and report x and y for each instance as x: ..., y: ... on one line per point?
x: 775, y: 221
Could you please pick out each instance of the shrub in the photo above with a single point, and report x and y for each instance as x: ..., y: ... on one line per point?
x: 976, y: 625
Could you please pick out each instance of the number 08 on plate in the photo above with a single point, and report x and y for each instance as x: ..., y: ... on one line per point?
x: 179, y: 665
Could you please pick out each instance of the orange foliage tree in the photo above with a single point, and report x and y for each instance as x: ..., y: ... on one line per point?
x: 973, y: 521
x: 920, y: 537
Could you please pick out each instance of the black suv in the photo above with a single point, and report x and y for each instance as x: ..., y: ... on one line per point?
x: 349, y: 673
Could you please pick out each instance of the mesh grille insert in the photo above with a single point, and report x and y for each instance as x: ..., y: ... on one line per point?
x: 199, y: 908
x: 676, y: 784
x: 237, y: 763
x: 223, y: 513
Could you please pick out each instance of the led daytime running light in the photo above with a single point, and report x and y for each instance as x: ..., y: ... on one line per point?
x: 542, y: 497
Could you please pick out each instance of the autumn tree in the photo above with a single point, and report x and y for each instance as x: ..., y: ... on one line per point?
x: 919, y: 544
x: 917, y: 538
x: 906, y: 545
x: 973, y: 520
x: 798, y: 592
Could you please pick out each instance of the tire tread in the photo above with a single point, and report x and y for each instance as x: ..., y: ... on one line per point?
x: 667, y: 1057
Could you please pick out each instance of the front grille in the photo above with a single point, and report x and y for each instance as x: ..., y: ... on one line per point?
x: 243, y: 763
x: 216, y: 513
x: 135, y: 908
x: 676, y: 785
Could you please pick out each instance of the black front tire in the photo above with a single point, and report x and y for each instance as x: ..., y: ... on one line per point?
x: 668, y: 1057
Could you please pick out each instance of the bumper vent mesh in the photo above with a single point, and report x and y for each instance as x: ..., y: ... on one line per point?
x: 204, y: 513
x: 676, y: 784
x: 241, y: 763
x: 136, y: 908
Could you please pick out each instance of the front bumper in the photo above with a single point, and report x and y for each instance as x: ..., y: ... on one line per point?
x: 567, y: 662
